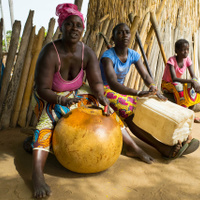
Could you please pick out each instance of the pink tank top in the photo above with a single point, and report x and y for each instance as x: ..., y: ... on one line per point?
x: 61, y: 85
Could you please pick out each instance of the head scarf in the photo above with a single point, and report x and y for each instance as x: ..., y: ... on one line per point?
x: 65, y: 10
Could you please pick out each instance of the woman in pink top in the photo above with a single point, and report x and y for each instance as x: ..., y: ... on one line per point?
x: 186, y: 91
x: 59, y: 88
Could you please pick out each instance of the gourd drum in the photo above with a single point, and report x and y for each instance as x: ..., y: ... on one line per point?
x: 86, y: 141
x: 164, y: 120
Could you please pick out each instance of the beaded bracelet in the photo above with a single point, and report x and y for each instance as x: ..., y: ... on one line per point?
x: 59, y: 99
x: 152, y: 84
x: 195, y: 79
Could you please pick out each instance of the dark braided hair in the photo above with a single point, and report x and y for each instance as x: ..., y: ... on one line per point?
x: 179, y: 44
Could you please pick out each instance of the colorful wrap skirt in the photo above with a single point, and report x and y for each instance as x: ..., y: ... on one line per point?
x: 48, y: 114
x: 184, y: 94
x: 123, y: 105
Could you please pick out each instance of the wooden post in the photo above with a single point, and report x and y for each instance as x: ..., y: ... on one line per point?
x: 155, y: 26
x: 14, y: 83
x: 149, y: 42
x: 79, y: 4
x: 23, y: 81
x: 56, y: 34
x: 104, y: 30
x: 29, y: 86
x: 9, y: 62
x: 108, y: 34
x: 133, y: 29
x: 50, y: 32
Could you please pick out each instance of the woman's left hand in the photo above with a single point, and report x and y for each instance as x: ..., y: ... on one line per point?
x: 105, y: 102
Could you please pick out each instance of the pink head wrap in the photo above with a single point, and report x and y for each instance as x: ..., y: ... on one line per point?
x: 65, y: 10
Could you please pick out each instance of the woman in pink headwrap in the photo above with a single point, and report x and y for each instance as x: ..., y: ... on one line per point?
x: 59, y: 88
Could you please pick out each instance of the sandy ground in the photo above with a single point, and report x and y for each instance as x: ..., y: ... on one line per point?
x: 127, y: 179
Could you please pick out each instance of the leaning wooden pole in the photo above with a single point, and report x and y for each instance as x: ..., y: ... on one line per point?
x: 9, y: 62
x: 23, y: 81
x: 49, y: 35
x: 133, y: 30
x: 79, y: 4
x: 155, y: 26
x: 149, y: 42
x: 29, y: 86
x: 14, y: 83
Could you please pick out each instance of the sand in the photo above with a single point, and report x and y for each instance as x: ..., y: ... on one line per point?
x: 127, y: 179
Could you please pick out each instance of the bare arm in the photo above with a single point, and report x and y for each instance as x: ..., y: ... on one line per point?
x: 181, y: 80
x: 93, y: 75
x: 193, y: 81
x: 45, y: 69
x: 143, y: 72
x: 111, y: 78
x: 148, y: 80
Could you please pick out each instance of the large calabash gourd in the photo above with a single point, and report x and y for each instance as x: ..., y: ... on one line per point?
x: 86, y: 141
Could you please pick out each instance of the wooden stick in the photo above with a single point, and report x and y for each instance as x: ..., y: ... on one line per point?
x: 23, y: 81
x: 155, y: 26
x: 50, y: 32
x: 133, y: 29
x: 79, y: 4
x: 9, y: 62
x: 104, y: 18
x: 104, y: 30
x: 143, y: 54
x: 108, y: 35
x: 149, y: 40
x: 28, y: 90
x: 14, y: 83
x: 56, y: 34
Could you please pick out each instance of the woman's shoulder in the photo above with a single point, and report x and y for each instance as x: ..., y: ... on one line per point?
x: 134, y: 55
x: 171, y: 60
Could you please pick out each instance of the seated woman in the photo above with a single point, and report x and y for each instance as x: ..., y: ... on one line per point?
x: 59, y: 88
x: 185, y: 91
x: 115, y: 64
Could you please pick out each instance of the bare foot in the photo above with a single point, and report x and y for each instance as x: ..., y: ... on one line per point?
x: 139, y: 153
x: 40, y: 188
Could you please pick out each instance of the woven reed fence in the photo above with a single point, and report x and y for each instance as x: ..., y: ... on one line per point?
x: 158, y: 23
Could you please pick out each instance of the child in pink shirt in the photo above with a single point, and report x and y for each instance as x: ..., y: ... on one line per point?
x: 186, y: 91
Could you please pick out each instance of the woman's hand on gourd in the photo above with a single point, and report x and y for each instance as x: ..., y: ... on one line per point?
x: 105, y: 102
x: 71, y: 101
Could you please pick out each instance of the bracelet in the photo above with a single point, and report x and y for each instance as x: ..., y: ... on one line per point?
x: 59, y: 99
x: 138, y: 92
x: 152, y: 84
x: 195, y: 79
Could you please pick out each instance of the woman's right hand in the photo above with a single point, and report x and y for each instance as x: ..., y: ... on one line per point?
x: 70, y: 101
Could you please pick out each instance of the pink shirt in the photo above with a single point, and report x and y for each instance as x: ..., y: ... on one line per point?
x: 61, y: 85
x: 179, y: 71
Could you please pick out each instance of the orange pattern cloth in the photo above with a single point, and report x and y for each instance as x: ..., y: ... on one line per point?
x: 48, y: 114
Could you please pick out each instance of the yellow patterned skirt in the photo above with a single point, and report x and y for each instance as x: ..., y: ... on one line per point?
x: 184, y: 94
x: 123, y: 105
